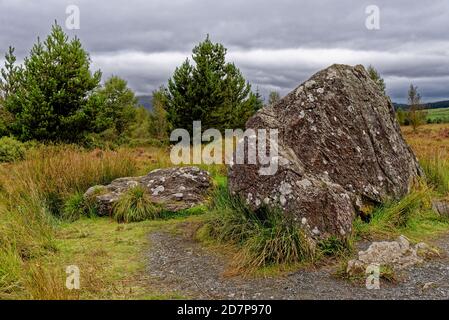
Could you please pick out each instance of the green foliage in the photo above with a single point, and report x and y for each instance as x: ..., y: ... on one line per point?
x: 438, y: 115
x: 118, y: 106
x: 52, y: 97
x: 416, y: 115
x: 8, y: 84
x: 436, y: 169
x: 135, y: 205
x: 11, y: 150
x: 334, y: 246
x: 410, y: 216
x: 159, y: 125
x: 76, y: 206
x: 9, y: 79
x: 375, y: 76
x: 266, y: 237
x: 401, y: 115
x: 211, y: 90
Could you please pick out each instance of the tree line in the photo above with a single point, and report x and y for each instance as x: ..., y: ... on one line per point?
x: 55, y: 97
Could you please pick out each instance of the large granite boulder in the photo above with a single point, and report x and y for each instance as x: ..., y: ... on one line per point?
x: 174, y: 189
x: 340, y: 151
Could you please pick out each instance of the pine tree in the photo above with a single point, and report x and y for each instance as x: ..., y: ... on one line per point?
x: 180, y: 98
x: 118, y: 106
x: 9, y: 81
x: 54, y: 100
x: 210, y: 90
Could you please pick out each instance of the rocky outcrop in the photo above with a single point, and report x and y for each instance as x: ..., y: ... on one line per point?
x: 397, y: 254
x: 340, y: 151
x: 174, y: 189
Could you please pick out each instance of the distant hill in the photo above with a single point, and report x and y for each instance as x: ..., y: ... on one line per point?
x: 146, y: 102
x: 430, y: 105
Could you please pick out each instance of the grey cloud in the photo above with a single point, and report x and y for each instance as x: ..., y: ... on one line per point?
x: 143, y: 41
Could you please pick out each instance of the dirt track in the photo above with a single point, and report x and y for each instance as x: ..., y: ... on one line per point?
x: 178, y: 264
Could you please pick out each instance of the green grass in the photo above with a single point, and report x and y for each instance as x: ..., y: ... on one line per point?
x: 412, y: 216
x: 135, y: 205
x: 111, y: 256
x: 75, y: 207
x: 436, y: 169
x: 34, y: 194
x: 435, y: 114
x: 35, y: 246
x: 263, y: 238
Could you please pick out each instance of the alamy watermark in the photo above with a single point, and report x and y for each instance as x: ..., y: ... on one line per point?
x: 373, y: 279
x: 72, y: 22
x: 257, y: 147
x: 72, y: 281
x: 372, y: 21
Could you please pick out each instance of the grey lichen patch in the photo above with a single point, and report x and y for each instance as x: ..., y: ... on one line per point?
x: 309, y: 84
x: 304, y: 183
x: 157, y: 190
x: 285, y: 188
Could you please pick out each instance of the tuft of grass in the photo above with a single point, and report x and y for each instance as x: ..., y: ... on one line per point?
x: 264, y: 238
x: 76, y: 206
x: 411, y: 216
x: 436, y: 169
x: 335, y: 247
x: 135, y: 205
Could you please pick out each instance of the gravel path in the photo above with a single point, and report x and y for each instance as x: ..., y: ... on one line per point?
x: 178, y: 264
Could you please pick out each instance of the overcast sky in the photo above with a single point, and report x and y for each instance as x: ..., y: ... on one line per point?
x: 277, y: 44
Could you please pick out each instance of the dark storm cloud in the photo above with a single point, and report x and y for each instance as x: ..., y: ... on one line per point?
x: 277, y: 44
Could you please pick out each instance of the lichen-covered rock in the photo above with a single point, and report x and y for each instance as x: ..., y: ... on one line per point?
x: 174, y: 189
x: 340, y: 151
x: 397, y: 254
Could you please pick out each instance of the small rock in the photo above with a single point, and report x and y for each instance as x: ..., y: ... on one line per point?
x: 398, y: 254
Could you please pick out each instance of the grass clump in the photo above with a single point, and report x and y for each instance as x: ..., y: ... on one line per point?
x: 335, y: 247
x: 436, y: 169
x: 411, y: 216
x: 135, y: 205
x: 264, y: 237
x: 77, y: 205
